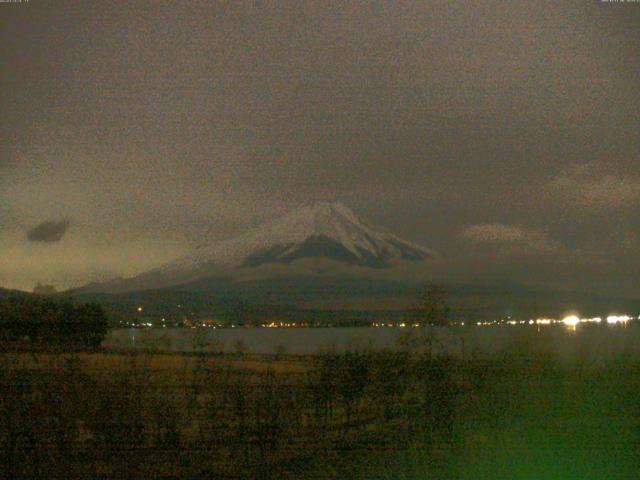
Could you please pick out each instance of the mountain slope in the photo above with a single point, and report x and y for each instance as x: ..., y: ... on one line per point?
x: 5, y: 293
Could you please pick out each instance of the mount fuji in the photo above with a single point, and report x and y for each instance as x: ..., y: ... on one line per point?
x: 321, y: 257
x: 319, y: 233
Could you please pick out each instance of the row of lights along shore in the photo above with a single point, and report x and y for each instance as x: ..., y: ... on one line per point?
x: 569, y: 321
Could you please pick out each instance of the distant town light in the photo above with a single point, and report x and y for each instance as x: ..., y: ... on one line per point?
x: 592, y: 320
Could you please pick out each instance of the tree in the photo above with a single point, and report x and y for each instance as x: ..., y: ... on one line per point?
x: 94, y: 324
x: 432, y: 306
x: 431, y: 309
x: 46, y: 321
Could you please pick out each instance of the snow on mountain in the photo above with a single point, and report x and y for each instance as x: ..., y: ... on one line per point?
x: 320, y: 230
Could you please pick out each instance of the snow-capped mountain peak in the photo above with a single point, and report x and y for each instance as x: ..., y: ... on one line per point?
x: 329, y: 230
x: 319, y: 231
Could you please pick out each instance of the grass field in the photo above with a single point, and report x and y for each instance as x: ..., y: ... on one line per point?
x: 514, y: 414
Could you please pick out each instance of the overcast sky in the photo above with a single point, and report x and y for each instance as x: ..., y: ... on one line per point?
x: 505, y: 135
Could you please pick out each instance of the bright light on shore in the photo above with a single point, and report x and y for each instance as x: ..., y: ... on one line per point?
x: 612, y: 319
x: 571, y: 321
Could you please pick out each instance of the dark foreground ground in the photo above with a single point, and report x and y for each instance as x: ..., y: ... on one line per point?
x: 515, y: 414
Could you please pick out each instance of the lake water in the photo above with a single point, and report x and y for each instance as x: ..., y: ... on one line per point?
x: 586, y: 342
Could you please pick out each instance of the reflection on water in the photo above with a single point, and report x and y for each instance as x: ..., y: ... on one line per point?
x: 595, y: 341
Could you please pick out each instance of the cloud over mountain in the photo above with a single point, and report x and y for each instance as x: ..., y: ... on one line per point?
x: 512, y: 237
x: 595, y: 186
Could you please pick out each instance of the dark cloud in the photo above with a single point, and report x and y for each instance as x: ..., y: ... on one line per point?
x: 50, y: 231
